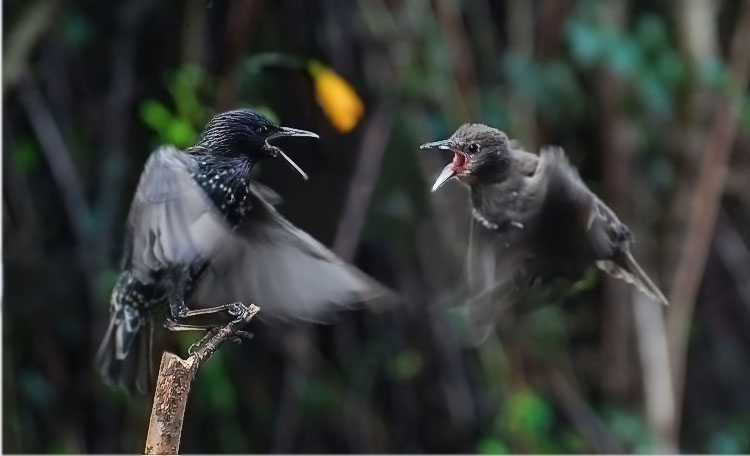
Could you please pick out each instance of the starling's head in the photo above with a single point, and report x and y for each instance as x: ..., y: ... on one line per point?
x: 243, y: 132
x: 477, y: 150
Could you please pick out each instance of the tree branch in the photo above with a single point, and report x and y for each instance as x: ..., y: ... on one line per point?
x: 362, y: 184
x: 173, y: 387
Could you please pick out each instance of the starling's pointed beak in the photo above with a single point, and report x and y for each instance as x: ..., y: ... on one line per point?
x: 448, y: 172
x: 445, y: 175
x: 445, y: 144
x: 286, y: 131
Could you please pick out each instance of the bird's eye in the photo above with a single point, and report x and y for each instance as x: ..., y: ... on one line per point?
x: 473, y: 148
x: 262, y: 130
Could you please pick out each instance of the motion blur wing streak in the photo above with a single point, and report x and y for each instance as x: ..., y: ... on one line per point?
x: 266, y: 260
x: 280, y: 268
x: 171, y: 218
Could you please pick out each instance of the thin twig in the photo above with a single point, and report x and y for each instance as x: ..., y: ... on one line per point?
x: 52, y: 143
x: 173, y: 387
x: 362, y: 184
x: 22, y: 39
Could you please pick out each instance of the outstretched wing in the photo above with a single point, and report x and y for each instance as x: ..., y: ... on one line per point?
x: 171, y: 220
x: 283, y: 270
x: 607, y: 238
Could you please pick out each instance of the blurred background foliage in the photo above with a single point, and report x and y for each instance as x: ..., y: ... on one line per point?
x: 650, y: 100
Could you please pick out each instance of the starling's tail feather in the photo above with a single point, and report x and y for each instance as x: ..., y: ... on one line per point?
x: 124, y: 357
x: 627, y: 269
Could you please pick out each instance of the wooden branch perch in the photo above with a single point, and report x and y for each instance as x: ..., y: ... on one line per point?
x: 173, y: 387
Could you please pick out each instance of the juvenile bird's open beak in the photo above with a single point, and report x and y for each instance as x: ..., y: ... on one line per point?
x: 286, y: 131
x: 448, y: 172
x: 445, y: 144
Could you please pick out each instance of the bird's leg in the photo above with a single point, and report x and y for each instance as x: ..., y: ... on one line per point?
x: 173, y: 325
x: 211, y: 330
x: 180, y: 311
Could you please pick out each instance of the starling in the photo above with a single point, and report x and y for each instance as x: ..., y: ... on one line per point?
x: 202, y: 239
x: 541, y: 218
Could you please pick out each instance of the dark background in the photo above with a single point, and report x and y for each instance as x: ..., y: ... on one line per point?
x: 649, y: 99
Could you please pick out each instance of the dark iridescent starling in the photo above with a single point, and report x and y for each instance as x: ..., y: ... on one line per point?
x: 202, y: 238
x: 543, y: 220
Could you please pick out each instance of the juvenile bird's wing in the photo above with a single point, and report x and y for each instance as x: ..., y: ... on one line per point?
x: 497, y: 277
x: 171, y: 220
x: 607, y: 238
x: 282, y: 269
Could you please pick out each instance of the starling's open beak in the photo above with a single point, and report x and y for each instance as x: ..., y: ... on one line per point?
x: 286, y: 131
x: 445, y: 144
x: 446, y: 174
x: 449, y: 172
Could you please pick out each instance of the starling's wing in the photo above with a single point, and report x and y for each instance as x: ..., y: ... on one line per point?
x: 266, y: 193
x: 171, y: 220
x: 281, y: 269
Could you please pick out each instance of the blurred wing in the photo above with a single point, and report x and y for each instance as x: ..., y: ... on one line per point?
x: 499, y: 274
x: 171, y: 220
x: 607, y: 237
x: 281, y: 269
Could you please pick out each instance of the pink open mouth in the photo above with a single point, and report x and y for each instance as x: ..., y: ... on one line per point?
x: 459, y: 162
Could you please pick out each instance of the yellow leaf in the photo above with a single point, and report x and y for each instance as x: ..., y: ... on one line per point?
x: 336, y: 97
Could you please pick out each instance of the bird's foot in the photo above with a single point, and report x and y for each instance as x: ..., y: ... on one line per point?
x: 240, y: 336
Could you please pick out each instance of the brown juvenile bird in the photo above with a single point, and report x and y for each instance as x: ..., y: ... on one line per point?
x: 543, y: 220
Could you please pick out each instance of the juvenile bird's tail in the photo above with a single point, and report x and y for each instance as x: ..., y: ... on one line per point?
x: 124, y: 357
x: 626, y: 268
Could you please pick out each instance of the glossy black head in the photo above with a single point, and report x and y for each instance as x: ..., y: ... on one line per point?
x: 243, y: 132
x: 477, y: 149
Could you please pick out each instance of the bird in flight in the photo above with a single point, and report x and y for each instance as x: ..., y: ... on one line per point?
x: 202, y: 239
x: 542, y: 220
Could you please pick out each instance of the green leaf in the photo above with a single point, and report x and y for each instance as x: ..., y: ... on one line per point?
x: 78, y: 30
x: 406, y: 365
x: 585, y: 42
x: 181, y: 133
x: 321, y: 395
x: 527, y: 413
x: 492, y: 445
x: 184, y: 88
x: 26, y: 154
x: 624, y: 57
x: 155, y: 115
x: 651, y: 33
x: 219, y: 390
